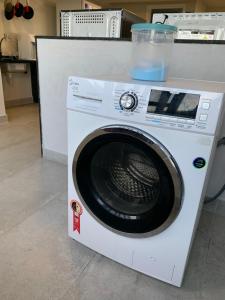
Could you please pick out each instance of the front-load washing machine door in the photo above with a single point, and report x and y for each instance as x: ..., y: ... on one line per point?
x: 127, y: 180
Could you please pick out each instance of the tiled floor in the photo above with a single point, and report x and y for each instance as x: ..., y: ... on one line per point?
x: 39, y: 261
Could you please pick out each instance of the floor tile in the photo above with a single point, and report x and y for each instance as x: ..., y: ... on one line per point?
x: 26, y: 191
x: 211, y: 206
x: 37, y: 259
x: 104, y: 279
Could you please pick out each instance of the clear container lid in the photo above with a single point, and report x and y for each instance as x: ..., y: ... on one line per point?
x: 155, y: 26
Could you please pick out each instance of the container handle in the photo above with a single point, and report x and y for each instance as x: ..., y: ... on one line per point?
x: 163, y: 22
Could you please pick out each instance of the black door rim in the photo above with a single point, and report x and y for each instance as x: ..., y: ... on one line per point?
x: 154, y: 145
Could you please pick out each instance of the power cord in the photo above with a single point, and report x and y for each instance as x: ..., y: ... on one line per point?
x: 221, y: 142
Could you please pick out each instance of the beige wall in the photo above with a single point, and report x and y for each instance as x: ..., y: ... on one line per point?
x: 200, y: 6
x: 18, y: 86
x: 1, y: 20
x: 215, y: 9
x: 2, y: 105
x: 92, y: 5
x: 64, y: 5
x: 43, y: 22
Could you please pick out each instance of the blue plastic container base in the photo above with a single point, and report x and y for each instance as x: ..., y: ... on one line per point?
x: 151, y: 74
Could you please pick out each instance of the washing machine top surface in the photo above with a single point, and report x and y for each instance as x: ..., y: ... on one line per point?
x: 172, y: 82
x: 180, y: 104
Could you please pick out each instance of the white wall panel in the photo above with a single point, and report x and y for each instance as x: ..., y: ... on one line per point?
x: 59, y: 59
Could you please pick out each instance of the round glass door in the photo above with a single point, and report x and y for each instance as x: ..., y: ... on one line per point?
x: 127, y: 180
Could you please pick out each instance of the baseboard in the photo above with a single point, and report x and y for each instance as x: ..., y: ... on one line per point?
x: 3, y: 119
x: 55, y: 156
x: 18, y: 102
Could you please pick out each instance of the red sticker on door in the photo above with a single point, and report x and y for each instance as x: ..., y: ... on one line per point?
x: 77, y: 212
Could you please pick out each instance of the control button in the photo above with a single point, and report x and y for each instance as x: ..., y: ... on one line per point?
x: 201, y: 127
x: 205, y: 105
x: 190, y: 122
x: 128, y: 101
x: 203, y: 117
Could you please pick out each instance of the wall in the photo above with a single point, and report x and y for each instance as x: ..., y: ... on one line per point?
x: 43, y: 22
x: 17, y: 86
x: 91, y: 5
x: 59, y: 59
x: 200, y: 6
x: 66, y: 5
x: 1, y: 20
x: 198, y: 61
x: 2, y: 105
x: 215, y: 9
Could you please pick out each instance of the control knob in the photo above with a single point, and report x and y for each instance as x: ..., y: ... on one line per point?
x: 128, y: 101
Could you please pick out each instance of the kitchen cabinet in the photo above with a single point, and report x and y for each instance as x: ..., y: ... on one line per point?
x: 13, y: 69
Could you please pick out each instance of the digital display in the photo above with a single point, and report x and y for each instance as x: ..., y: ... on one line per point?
x: 181, y: 105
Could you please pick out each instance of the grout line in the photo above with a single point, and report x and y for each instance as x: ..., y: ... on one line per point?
x: 85, y: 266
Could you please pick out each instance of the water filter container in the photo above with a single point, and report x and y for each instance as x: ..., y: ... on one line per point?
x: 152, y: 46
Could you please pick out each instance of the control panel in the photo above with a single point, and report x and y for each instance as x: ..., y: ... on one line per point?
x: 161, y: 106
x: 166, y: 107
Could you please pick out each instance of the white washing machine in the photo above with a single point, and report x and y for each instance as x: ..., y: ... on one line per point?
x: 139, y: 158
